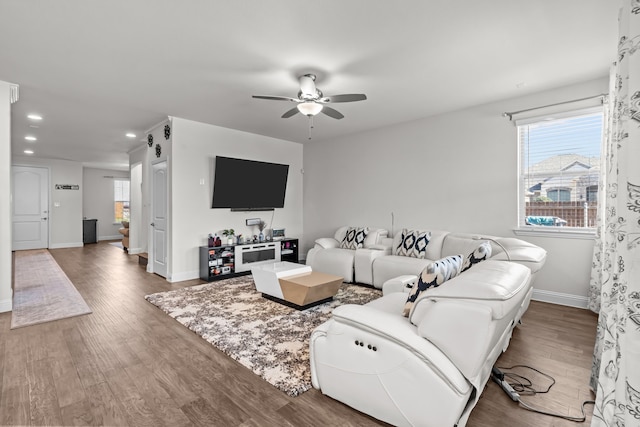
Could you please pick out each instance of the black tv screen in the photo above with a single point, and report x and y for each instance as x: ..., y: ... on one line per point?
x: 242, y: 184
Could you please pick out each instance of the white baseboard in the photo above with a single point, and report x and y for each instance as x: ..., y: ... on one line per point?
x: 181, y: 277
x: 66, y: 245
x: 116, y: 237
x: 560, y: 298
x: 135, y: 251
x: 5, y: 305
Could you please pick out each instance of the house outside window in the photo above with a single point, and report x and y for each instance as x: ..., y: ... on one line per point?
x: 560, y: 169
x: 121, y: 200
x: 559, y: 195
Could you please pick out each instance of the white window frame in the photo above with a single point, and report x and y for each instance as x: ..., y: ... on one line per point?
x: 115, y: 220
x: 531, y: 230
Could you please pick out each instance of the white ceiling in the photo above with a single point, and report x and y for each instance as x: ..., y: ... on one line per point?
x: 96, y: 70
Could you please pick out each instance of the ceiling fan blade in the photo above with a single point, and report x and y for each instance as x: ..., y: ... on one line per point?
x: 276, y: 98
x: 308, y: 85
x: 290, y: 113
x: 331, y: 112
x: 351, y: 97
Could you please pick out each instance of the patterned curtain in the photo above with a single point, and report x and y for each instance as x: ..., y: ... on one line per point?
x: 615, y: 279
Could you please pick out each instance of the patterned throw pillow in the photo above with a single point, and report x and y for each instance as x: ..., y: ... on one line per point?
x: 434, y: 274
x: 482, y: 252
x: 413, y: 243
x: 354, y: 238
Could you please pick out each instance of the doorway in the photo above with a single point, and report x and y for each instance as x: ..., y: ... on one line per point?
x: 30, y: 207
x: 159, y: 221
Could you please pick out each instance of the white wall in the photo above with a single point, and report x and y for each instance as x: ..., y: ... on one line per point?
x: 195, y: 145
x: 455, y: 171
x: 97, y: 202
x: 5, y: 201
x: 65, y: 220
x: 138, y: 227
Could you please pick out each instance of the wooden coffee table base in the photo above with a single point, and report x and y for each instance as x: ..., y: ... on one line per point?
x: 302, y: 291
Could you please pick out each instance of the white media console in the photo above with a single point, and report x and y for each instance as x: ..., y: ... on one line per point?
x: 225, y: 261
x: 247, y: 256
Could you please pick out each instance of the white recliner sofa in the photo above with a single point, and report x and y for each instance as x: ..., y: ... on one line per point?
x: 445, y: 243
x: 427, y: 369
x: 327, y: 255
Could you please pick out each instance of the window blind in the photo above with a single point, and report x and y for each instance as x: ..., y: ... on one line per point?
x: 560, y: 169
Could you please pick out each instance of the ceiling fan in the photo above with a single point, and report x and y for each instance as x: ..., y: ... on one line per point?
x: 311, y: 101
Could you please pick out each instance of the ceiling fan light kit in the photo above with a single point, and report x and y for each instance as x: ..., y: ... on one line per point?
x: 310, y: 100
x: 309, y: 108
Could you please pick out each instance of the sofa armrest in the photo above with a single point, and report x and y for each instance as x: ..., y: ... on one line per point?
x: 380, y: 247
x: 402, y: 283
x: 460, y: 329
x: 327, y: 243
x: 394, y: 329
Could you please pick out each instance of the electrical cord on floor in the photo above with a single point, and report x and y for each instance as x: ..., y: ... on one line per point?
x: 515, y: 385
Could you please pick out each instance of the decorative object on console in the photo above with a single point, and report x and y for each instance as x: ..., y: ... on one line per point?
x: 354, y: 238
x: 149, y: 140
x: 211, y: 241
x: 229, y: 233
x: 167, y: 131
x: 253, y: 221
x: 277, y: 233
x: 434, y: 274
x: 261, y: 226
x: 413, y: 243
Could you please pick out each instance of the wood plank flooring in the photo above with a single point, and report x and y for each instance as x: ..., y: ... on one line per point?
x: 129, y: 364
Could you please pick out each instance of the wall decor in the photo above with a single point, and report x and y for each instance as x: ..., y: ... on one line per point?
x: 67, y: 187
x: 150, y: 140
x: 167, y: 131
x: 158, y: 150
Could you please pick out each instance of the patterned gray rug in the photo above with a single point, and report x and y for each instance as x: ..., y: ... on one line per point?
x: 269, y: 338
x: 42, y: 292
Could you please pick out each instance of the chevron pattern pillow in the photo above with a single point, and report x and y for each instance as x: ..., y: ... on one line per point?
x: 482, y: 252
x: 354, y: 238
x: 434, y: 275
x: 413, y: 243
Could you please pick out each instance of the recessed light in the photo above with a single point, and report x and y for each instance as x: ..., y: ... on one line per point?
x: 28, y: 151
x: 34, y: 117
x: 30, y: 138
x: 131, y: 135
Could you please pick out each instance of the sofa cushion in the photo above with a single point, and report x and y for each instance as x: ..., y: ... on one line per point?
x: 434, y: 274
x: 413, y: 243
x: 354, y: 237
x: 481, y: 253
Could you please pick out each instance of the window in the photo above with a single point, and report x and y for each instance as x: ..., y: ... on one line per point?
x: 560, y: 169
x: 121, y: 200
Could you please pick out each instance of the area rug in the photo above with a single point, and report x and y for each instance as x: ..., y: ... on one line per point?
x: 267, y: 337
x: 42, y: 292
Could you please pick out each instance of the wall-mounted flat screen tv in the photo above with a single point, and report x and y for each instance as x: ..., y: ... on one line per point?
x: 241, y: 184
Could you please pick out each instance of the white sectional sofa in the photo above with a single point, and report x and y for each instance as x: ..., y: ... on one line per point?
x: 377, y: 261
x: 427, y: 366
x: 327, y: 255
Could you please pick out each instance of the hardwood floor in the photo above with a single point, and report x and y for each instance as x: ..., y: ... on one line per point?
x: 130, y: 364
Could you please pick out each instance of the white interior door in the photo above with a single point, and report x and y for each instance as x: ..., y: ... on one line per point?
x: 159, y: 219
x: 30, y: 209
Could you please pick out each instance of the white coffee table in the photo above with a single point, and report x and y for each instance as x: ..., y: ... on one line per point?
x: 295, y: 285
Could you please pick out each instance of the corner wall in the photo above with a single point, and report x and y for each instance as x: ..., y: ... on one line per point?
x: 195, y: 146
x: 6, y: 267
x: 455, y: 171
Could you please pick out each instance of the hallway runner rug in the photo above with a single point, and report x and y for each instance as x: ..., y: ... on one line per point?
x: 42, y: 292
x: 267, y: 337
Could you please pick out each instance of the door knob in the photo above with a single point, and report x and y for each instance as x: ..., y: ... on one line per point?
x: 44, y: 219
x: 153, y: 224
